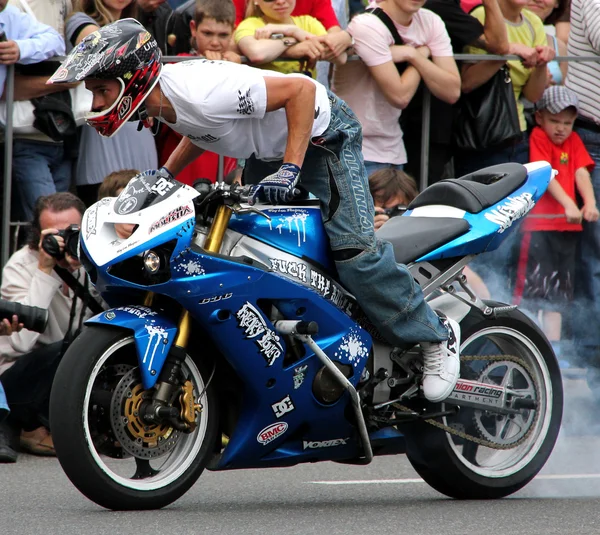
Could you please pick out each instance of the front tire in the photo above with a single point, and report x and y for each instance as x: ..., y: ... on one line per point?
x: 461, y: 469
x: 105, y: 450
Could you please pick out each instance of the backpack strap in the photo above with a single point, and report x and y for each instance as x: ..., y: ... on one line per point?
x: 389, y: 24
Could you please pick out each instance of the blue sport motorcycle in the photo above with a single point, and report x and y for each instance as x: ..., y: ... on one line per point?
x: 231, y: 344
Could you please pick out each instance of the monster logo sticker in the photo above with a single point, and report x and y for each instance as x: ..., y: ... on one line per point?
x: 352, y: 347
x: 294, y: 220
x: 299, y: 376
x: 158, y: 337
x: 255, y: 327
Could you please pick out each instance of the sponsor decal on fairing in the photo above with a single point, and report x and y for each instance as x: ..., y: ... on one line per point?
x: 251, y: 321
x: 317, y: 444
x: 271, y: 432
x: 283, y: 406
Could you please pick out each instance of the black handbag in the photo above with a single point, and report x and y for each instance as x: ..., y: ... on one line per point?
x: 54, y: 116
x: 487, y: 116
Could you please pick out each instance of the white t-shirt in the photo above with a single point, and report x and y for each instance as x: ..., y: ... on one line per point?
x: 221, y: 107
x: 382, y: 136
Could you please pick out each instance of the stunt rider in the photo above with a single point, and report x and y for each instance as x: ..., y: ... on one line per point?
x: 288, y: 127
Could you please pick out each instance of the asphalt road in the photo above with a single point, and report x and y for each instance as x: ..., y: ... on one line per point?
x: 384, y: 497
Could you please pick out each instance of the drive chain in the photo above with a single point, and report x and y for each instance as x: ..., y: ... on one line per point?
x: 478, y: 440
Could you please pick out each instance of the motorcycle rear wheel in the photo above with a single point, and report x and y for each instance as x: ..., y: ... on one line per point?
x: 464, y: 470
x: 105, y: 450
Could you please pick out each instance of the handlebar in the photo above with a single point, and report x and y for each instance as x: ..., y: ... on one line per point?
x: 229, y: 194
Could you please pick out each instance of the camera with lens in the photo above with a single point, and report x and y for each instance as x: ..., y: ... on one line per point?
x: 71, y: 237
x: 395, y: 211
x: 32, y: 318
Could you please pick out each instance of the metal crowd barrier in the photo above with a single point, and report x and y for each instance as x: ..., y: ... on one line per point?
x: 8, y: 136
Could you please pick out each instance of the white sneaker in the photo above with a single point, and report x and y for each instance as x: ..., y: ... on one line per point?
x: 441, y: 363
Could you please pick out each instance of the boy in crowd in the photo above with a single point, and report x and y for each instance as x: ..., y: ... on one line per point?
x: 212, y: 32
x: 548, y: 249
x: 114, y: 183
x: 392, y: 190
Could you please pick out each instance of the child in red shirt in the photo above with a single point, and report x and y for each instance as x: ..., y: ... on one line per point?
x: 551, y: 231
x: 212, y: 30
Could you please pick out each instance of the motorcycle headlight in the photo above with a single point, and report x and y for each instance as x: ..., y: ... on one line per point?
x: 151, y: 262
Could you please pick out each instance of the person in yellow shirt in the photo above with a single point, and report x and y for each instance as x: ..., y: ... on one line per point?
x: 269, y: 32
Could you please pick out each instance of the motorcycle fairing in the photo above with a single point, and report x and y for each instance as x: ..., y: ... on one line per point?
x: 155, y: 224
x: 228, y: 298
x: 490, y: 227
x: 297, y: 230
x: 153, y: 334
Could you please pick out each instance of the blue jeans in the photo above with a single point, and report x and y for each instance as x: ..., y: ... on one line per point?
x: 39, y: 169
x: 586, y: 323
x: 371, y: 167
x: 334, y: 172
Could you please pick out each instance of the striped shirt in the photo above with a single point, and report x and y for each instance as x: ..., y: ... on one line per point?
x: 584, y: 40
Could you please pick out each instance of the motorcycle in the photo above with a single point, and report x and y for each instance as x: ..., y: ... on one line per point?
x: 231, y: 344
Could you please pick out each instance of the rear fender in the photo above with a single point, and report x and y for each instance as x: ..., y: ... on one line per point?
x: 153, y: 332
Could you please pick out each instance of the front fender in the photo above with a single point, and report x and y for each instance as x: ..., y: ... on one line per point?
x: 153, y: 332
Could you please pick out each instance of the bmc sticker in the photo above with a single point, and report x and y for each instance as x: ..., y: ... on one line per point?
x: 271, y: 432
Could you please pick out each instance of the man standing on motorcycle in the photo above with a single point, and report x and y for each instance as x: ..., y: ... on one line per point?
x: 290, y: 129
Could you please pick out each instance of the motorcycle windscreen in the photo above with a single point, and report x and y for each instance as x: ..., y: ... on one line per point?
x: 145, y: 190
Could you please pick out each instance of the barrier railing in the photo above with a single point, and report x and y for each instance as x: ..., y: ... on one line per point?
x: 425, y: 135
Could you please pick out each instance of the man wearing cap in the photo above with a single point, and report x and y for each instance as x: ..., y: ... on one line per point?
x: 547, y: 262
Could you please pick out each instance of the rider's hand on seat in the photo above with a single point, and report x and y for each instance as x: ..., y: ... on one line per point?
x: 278, y: 187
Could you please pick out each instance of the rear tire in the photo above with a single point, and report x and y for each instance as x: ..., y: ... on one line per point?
x: 90, y: 431
x: 481, y: 472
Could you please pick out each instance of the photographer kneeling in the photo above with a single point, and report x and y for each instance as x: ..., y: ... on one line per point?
x: 28, y: 360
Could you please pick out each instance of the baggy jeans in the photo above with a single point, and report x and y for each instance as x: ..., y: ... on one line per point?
x: 335, y: 173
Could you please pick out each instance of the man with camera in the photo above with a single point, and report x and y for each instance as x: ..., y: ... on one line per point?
x: 28, y: 359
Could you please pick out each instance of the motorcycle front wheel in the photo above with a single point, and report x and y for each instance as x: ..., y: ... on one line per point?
x: 106, y: 450
x: 504, y: 451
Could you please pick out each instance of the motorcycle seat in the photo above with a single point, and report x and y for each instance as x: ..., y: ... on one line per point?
x: 476, y: 191
x: 413, y: 237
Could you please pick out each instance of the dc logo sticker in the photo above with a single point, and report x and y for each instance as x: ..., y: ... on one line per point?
x: 127, y: 206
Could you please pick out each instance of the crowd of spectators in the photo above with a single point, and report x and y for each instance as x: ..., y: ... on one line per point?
x: 404, y: 48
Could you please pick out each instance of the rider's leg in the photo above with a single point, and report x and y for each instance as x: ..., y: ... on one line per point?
x: 334, y: 172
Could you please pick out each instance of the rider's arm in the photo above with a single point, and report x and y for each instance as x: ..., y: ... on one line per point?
x: 297, y: 96
x: 183, y: 155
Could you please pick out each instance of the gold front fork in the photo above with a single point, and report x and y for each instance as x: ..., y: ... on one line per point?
x: 212, y: 245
